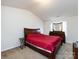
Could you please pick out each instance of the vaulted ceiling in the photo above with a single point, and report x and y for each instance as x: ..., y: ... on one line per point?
x: 46, y: 8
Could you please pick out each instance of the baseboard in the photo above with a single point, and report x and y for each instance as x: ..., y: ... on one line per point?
x: 8, y: 48
x: 69, y: 42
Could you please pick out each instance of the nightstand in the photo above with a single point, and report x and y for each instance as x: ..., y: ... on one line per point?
x: 75, y: 50
x: 21, y: 43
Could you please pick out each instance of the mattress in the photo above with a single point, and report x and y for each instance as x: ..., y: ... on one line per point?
x: 43, y: 41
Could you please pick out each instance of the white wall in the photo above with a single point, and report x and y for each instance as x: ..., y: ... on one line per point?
x: 14, y: 20
x: 72, y: 27
x: 47, y: 27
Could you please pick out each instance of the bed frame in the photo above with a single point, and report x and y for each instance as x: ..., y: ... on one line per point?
x: 51, y: 55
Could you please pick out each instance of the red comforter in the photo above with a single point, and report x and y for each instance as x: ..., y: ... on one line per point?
x: 43, y: 41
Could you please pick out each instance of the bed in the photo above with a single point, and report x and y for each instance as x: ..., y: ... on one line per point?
x: 44, y: 44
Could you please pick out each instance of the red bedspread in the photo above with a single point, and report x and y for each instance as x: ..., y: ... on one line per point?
x: 43, y: 41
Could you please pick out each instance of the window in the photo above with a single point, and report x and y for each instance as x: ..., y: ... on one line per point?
x: 58, y: 26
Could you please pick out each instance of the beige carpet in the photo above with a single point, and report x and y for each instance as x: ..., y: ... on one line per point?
x: 65, y: 52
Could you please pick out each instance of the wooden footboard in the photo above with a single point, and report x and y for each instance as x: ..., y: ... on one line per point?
x: 58, y: 33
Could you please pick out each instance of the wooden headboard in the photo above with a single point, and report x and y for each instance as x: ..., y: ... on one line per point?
x: 28, y: 30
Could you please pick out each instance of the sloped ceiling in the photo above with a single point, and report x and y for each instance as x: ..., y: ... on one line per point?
x: 54, y: 8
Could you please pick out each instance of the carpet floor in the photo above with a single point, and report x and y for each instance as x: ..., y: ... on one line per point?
x: 65, y: 52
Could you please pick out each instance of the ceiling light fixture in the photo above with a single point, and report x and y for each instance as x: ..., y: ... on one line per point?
x: 43, y: 2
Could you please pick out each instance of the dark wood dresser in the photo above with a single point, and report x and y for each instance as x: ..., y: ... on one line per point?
x: 58, y: 33
x: 75, y: 50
